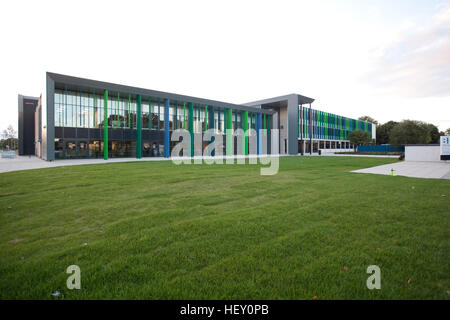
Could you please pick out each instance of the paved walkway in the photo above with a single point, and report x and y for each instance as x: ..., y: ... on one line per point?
x: 431, y: 170
x: 28, y: 163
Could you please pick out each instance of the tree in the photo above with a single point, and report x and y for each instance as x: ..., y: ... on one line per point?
x: 383, y: 132
x: 433, y: 132
x: 368, y: 119
x: 410, y: 132
x: 447, y: 132
x: 358, y: 137
x: 9, y: 138
x: 9, y: 132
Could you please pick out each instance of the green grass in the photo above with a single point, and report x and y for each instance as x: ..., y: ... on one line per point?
x: 159, y: 231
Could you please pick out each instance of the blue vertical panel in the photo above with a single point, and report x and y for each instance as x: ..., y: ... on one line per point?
x: 166, y: 129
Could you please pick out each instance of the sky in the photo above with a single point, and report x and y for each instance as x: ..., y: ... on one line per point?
x: 386, y: 59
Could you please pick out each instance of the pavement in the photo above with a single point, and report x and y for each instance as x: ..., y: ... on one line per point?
x: 432, y: 170
x: 32, y: 162
x: 429, y: 170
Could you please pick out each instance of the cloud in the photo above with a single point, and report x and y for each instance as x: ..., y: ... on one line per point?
x: 417, y: 62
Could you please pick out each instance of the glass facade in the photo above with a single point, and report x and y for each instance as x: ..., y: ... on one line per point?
x: 80, y: 123
x: 317, y: 124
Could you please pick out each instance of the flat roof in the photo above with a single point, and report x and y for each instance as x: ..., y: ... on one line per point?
x: 301, y: 100
x: 75, y: 83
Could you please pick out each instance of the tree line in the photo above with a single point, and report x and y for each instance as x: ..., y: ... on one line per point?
x: 9, y: 139
x: 400, y: 133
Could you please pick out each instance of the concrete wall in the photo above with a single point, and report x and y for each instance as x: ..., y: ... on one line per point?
x: 283, y: 129
x: 422, y: 153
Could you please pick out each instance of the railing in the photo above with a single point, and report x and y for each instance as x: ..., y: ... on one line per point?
x: 381, y: 148
x: 8, y: 154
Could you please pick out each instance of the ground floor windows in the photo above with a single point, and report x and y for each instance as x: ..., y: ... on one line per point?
x: 59, y: 149
x: 70, y: 150
x: 153, y: 149
x: 304, y: 145
x: 95, y: 149
x: 80, y: 149
x: 121, y: 149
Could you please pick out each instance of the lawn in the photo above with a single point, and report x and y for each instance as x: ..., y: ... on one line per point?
x: 154, y: 230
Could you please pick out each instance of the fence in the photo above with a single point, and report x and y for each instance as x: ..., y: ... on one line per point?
x: 381, y: 148
x: 8, y: 154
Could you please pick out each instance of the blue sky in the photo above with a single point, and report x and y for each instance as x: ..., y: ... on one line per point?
x: 385, y: 59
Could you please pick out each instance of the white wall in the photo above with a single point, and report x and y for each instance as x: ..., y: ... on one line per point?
x: 422, y: 153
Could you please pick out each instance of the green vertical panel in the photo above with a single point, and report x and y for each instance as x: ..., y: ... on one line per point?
x: 191, y: 126
x: 139, y: 128
x: 264, y: 122
x: 245, y: 127
x: 229, y: 133
x: 105, y: 126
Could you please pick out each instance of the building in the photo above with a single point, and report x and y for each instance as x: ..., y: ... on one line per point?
x: 27, y: 119
x: 82, y: 118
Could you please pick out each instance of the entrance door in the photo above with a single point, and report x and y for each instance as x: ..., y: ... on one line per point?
x: 300, y: 147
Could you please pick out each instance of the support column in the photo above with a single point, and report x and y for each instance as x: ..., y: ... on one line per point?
x: 245, y: 128
x: 191, y: 126
x: 166, y: 129
x: 139, y: 128
x: 105, y: 125
x: 229, y: 133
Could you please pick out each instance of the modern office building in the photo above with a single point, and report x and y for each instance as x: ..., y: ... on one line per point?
x: 82, y: 118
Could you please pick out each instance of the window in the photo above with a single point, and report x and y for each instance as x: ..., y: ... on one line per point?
x: 145, y: 116
x: 59, y: 149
